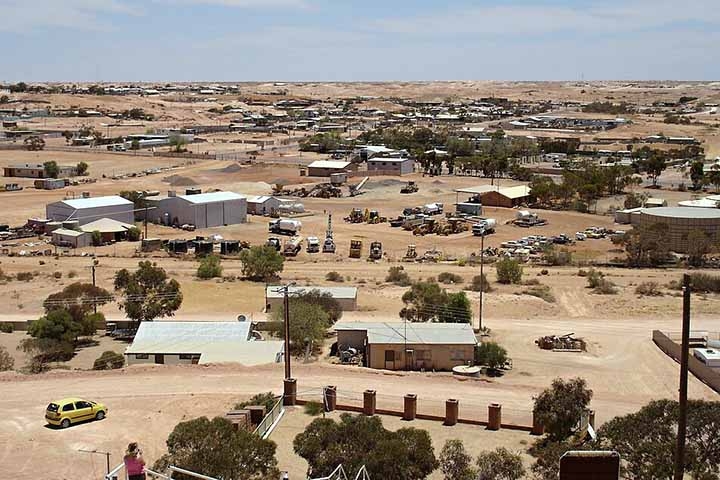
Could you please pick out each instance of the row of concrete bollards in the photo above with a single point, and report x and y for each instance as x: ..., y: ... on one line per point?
x: 409, y: 413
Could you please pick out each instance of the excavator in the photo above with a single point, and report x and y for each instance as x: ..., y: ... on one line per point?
x: 357, y: 189
x: 329, y: 244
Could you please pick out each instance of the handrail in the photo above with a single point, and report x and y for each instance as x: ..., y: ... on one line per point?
x: 339, y: 470
x: 188, y: 472
x: 112, y: 473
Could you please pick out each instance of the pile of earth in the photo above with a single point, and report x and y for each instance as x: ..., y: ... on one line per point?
x: 179, y: 181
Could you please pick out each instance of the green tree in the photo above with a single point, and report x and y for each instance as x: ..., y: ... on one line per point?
x: 57, y: 325
x: 457, y: 309
x: 353, y: 441
x: 308, y: 325
x: 635, y: 200
x: 508, y: 271
x: 7, y: 362
x: 491, y: 355
x: 699, y: 244
x: 96, y: 238
x: 455, y: 462
x: 398, y: 276
x: 147, y: 293
x: 78, y: 299
x: 178, y: 144
x: 500, y: 464
x: 133, y: 234
x: 210, y: 267
x: 646, y: 245
x: 51, y: 169
x: 261, y: 263
x: 267, y: 400
x: 217, y: 449
x: 324, y: 299
x: 714, y: 176
x: 697, y: 173
x: 559, y: 407
x: 480, y: 283
x: 82, y: 168
x: 547, y: 455
x: 34, y: 143
x: 68, y: 135
x: 423, y: 302
x: 653, y: 165
x: 135, y: 144
x: 109, y: 360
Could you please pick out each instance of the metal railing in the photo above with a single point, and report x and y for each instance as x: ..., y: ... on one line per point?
x: 339, y: 474
x: 114, y: 474
x: 265, y: 427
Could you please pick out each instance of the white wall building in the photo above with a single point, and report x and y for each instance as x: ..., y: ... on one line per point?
x: 203, y: 210
x: 86, y: 210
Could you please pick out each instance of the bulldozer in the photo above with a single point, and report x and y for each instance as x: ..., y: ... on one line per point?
x: 375, y: 251
x: 410, y: 187
x: 356, y: 216
x: 410, y: 254
x: 373, y: 217
x: 355, y: 248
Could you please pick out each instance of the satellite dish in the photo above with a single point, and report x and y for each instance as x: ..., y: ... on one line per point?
x: 242, y: 318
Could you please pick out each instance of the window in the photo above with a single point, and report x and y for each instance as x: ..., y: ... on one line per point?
x: 457, y: 355
x: 423, y: 355
x: 53, y: 407
x: 80, y: 405
x: 186, y: 356
x: 389, y: 355
x: 68, y: 408
x: 142, y: 356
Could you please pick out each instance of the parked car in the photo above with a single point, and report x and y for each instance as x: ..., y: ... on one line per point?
x: 65, y: 412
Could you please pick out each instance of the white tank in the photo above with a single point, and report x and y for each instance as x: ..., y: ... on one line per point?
x: 523, y: 214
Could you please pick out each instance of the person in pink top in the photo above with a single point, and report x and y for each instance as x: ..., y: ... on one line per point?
x: 134, y: 462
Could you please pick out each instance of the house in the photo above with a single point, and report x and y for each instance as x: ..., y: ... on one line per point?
x: 391, y: 166
x: 323, y: 168
x: 409, y: 345
x: 176, y: 343
x: 63, y: 237
x: 86, y: 210
x: 110, y: 230
x: 262, y: 205
x: 203, y: 210
x: 37, y: 170
x: 496, y: 196
x: 345, y: 296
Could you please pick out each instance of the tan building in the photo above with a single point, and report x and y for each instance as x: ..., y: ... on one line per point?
x: 408, y: 345
x: 345, y: 296
x: 496, y: 196
x: 324, y: 168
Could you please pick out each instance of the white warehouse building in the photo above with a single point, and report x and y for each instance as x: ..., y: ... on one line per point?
x: 86, y: 210
x: 203, y: 210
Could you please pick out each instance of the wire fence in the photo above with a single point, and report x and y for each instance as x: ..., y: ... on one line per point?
x: 264, y: 428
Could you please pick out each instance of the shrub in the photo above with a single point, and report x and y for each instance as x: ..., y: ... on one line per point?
x: 398, y: 276
x: 24, y: 276
x: 544, y: 271
x: 594, y: 278
x: 57, y: 275
x: 479, y: 282
x: 267, y: 400
x: 582, y: 273
x: 448, y: 277
x: 109, y: 360
x: 133, y: 234
x: 557, y: 258
x: 72, y: 274
x: 334, y: 277
x: 532, y: 281
x: 540, y: 291
x: 509, y: 271
x: 6, y: 327
x: 702, y: 282
x: 313, y: 408
x: 648, y: 289
x: 6, y: 361
x: 209, y: 267
x: 491, y: 355
x: 600, y: 285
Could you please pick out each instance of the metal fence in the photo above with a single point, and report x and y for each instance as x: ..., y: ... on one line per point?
x: 271, y: 418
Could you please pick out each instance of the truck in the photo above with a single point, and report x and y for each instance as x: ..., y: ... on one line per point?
x: 375, y: 250
x: 313, y: 245
x: 292, y: 246
x: 484, y: 227
x: 411, y: 187
x: 274, y: 242
x: 355, y: 248
x: 285, y: 226
x: 432, y: 209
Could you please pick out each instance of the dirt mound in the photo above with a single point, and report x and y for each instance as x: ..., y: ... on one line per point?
x: 179, y: 181
x: 390, y: 182
x: 438, y: 182
x: 232, y: 168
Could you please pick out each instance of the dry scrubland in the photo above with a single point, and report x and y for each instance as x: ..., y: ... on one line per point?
x: 622, y: 365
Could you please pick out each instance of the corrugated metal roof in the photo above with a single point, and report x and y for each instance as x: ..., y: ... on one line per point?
x: 414, y: 333
x: 68, y: 233
x: 328, y: 164
x: 187, y: 337
x: 517, y: 191
x: 336, y: 292
x: 94, y: 202
x: 259, y: 199
x: 212, y: 197
x: 106, y: 225
x: 249, y: 353
x: 682, y: 212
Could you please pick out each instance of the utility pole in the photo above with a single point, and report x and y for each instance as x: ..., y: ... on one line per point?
x: 286, y: 307
x: 684, y: 352
x: 482, y: 284
x: 92, y: 267
x: 146, y: 210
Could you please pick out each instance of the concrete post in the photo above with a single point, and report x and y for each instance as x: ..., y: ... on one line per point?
x: 410, y: 406
x: 369, y: 402
x: 330, y: 397
x: 537, y: 427
x: 451, y: 412
x: 494, y: 416
x: 591, y: 418
x: 289, y: 391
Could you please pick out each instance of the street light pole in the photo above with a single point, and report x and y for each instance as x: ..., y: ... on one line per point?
x: 482, y: 281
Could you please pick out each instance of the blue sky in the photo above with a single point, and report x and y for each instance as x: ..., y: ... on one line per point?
x: 337, y: 40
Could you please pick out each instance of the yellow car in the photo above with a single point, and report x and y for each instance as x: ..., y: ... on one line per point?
x: 67, y: 411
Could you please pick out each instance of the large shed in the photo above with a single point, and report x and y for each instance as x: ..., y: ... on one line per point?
x: 409, y: 345
x: 176, y: 343
x: 262, y: 205
x: 63, y: 237
x: 203, y: 210
x: 345, y: 296
x: 323, y: 168
x: 391, y: 166
x: 86, y: 210
x: 497, y: 196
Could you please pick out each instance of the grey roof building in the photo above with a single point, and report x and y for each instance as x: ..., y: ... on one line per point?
x: 203, y: 210
x: 345, y: 296
x: 86, y: 210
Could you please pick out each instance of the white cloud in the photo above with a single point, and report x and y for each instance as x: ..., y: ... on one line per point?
x: 24, y: 15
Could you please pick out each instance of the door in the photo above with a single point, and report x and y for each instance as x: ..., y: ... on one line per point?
x: 159, y: 358
x: 83, y: 411
x: 390, y: 359
x: 409, y: 360
x: 68, y: 411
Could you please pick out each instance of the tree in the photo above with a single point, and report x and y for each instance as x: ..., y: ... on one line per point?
x: 653, y: 165
x: 261, y: 263
x: 323, y: 299
x: 508, y: 271
x: 267, y: 400
x: 559, y: 407
x: 455, y: 462
x: 547, y: 457
x: 68, y: 135
x: 491, y: 355
x: 34, y: 143
x: 7, y: 362
x: 147, y: 293
x: 699, y: 244
x: 480, y: 283
x: 4, y: 99
x: 217, y: 449
x: 97, y: 239
x: 133, y: 234
x: 457, y: 309
x: 500, y: 464
x: 646, y: 440
x: 135, y: 144
x: 178, y: 144
x: 56, y: 325
x: 697, y: 173
x: 308, y: 325
x: 646, y: 245
x: 353, y: 441
x: 78, y: 299
x: 82, y: 168
x: 109, y: 360
x: 51, y: 169
x: 210, y: 267
x: 714, y: 176
x: 635, y: 200
x: 423, y: 302
x: 398, y: 276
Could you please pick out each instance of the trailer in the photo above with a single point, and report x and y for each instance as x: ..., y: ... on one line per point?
x: 292, y: 247
x: 313, y: 245
x: 284, y: 226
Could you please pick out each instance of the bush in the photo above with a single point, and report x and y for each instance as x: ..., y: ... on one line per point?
x: 6, y: 327
x: 648, y: 289
x: 267, y: 400
x: 594, y: 278
x: 24, y: 276
x: 313, y: 408
x: 479, y: 282
x: 334, y: 277
x: 557, y: 258
x: 582, y: 273
x: 509, y: 271
x: 261, y: 263
x: 209, y: 267
x: 704, y: 283
x: 491, y: 355
x: 447, y: 277
x: 398, y: 276
x: 109, y: 360
x: 57, y: 275
x: 133, y: 234
x: 6, y: 361
x: 72, y: 274
x: 540, y: 291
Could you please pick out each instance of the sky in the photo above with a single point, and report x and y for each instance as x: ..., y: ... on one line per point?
x: 365, y: 40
